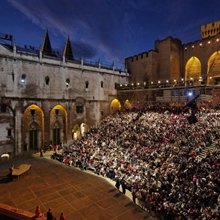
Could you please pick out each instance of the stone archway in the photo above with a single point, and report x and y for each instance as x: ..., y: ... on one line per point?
x: 193, y: 71
x: 33, y: 128
x: 127, y: 105
x: 115, y: 106
x: 213, y: 71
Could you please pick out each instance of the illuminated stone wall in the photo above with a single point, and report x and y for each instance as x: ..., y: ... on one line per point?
x: 205, y: 51
x: 172, y: 62
x: 83, y: 94
x: 142, y: 67
x: 161, y: 64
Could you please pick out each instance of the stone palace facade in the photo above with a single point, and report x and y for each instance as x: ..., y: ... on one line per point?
x: 47, y: 99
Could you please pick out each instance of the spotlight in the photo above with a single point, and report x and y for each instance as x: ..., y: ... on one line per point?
x: 189, y: 94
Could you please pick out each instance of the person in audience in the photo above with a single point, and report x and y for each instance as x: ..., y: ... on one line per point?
x: 50, y: 215
x: 123, y: 185
x: 118, y: 183
x: 38, y: 212
x: 62, y: 217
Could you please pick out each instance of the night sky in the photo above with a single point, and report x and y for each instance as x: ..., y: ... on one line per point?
x: 109, y: 30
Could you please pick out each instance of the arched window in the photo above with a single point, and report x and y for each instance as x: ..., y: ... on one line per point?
x: 23, y: 78
x: 213, y: 71
x: 87, y: 84
x: 67, y: 82
x: 79, y: 109
x: 47, y: 80
x: 193, y: 71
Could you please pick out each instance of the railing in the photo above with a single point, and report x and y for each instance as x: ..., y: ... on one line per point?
x: 101, y: 64
x: 57, y: 54
x: 136, y: 86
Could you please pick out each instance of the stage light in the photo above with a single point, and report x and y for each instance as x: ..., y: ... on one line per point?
x: 189, y: 94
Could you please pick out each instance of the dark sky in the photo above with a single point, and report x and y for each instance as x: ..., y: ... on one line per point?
x: 109, y: 30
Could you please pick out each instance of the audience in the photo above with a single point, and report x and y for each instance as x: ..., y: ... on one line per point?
x: 170, y: 166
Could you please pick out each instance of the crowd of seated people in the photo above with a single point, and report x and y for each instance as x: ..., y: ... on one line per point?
x: 156, y: 154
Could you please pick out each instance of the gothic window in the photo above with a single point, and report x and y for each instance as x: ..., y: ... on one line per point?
x: 9, y: 132
x: 13, y: 76
x: 23, y: 78
x: 79, y: 109
x: 87, y: 84
x: 116, y: 85
x: 47, y: 80
x: 67, y: 82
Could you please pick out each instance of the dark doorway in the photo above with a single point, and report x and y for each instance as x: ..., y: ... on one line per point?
x: 56, y: 136
x: 33, y: 139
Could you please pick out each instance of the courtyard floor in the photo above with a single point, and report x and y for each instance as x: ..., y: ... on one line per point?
x: 78, y: 194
